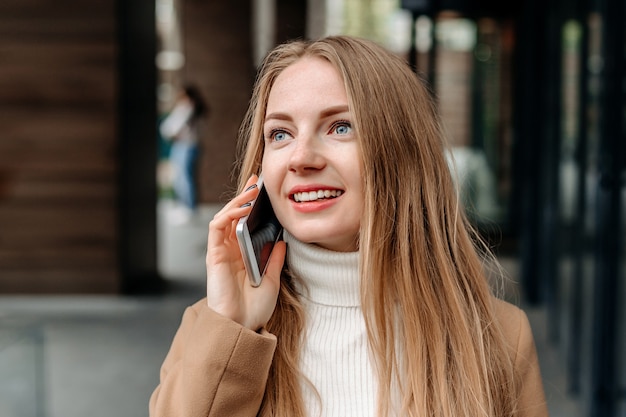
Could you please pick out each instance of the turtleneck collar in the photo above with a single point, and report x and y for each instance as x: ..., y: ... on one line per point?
x: 331, y: 278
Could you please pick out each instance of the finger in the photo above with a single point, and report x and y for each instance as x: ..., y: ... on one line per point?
x: 228, y: 215
x: 249, y: 193
x: 251, y: 181
x: 235, y: 209
x: 242, y: 200
x: 239, y: 207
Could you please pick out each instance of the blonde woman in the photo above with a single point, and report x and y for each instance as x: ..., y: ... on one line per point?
x: 376, y: 303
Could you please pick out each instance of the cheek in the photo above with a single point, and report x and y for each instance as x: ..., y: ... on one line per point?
x: 274, y: 161
x: 267, y: 167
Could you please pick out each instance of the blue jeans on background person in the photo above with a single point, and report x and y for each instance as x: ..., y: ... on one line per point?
x: 183, y: 157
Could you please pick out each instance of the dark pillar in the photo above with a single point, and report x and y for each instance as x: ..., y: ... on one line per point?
x: 605, y: 390
x: 137, y: 146
x: 528, y: 128
x: 290, y: 20
x: 579, y: 244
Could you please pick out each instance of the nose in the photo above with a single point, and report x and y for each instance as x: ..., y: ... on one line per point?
x: 307, y: 154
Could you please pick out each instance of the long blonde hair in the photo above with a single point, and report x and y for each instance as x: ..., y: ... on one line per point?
x: 427, y: 305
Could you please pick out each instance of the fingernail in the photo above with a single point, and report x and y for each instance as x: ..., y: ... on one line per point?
x: 246, y: 205
x: 250, y: 187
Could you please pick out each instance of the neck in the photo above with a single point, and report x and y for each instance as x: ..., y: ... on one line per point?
x: 330, y: 278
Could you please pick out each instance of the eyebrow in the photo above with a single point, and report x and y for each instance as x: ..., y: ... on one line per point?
x: 342, y: 108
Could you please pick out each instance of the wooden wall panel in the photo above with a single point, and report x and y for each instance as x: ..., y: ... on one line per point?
x: 58, y: 147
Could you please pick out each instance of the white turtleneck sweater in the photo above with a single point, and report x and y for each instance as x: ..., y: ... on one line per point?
x: 335, y: 355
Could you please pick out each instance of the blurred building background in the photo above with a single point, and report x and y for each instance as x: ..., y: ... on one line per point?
x: 94, y: 276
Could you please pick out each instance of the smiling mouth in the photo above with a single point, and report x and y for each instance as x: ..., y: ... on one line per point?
x: 315, y: 195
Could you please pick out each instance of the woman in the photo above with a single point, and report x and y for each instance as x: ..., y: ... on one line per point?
x: 381, y: 306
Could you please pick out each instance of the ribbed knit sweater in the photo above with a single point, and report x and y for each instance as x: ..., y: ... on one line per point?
x: 335, y: 355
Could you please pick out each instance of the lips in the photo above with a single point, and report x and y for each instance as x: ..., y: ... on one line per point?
x: 314, y: 195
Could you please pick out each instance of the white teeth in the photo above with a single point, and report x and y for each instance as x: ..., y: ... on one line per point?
x: 316, y: 195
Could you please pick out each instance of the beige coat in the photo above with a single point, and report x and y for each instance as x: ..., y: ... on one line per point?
x: 217, y: 368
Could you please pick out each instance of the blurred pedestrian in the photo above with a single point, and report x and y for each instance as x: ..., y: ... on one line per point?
x: 182, y: 127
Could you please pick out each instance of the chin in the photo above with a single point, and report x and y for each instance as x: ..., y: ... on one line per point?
x: 312, y: 238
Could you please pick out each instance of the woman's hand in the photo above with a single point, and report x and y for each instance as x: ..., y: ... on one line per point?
x: 229, y: 292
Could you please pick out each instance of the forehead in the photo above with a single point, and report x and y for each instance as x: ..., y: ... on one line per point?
x: 309, y: 79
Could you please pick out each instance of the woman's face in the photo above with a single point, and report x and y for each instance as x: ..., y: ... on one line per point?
x: 312, y: 163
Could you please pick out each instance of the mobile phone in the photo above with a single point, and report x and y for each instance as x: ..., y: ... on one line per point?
x: 257, y: 233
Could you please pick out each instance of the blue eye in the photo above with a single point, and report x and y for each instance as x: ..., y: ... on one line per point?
x: 342, y: 128
x: 278, y: 135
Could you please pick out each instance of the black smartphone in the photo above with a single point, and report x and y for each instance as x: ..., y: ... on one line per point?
x: 257, y: 233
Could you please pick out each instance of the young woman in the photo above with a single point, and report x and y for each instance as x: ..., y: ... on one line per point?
x: 376, y: 303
